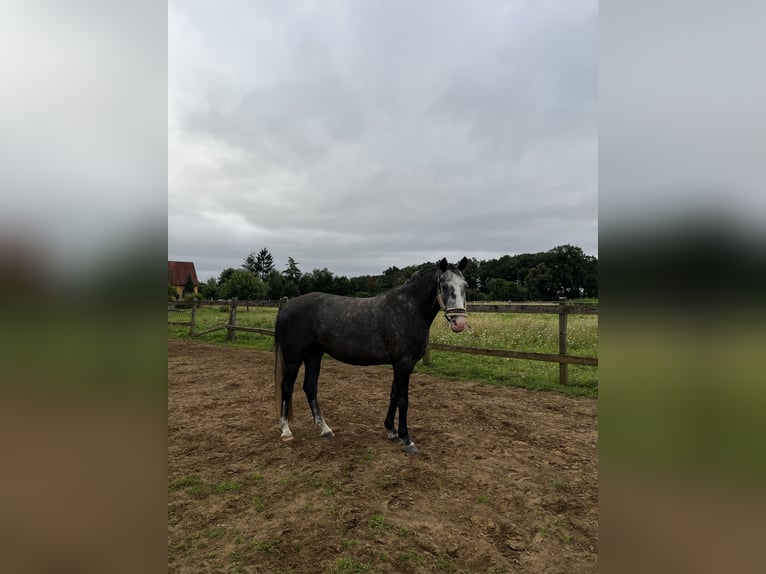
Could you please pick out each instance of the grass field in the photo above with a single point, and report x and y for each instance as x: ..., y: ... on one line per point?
x: 521, y: 332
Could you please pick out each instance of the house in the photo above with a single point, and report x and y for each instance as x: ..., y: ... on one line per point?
x: 182, y: 275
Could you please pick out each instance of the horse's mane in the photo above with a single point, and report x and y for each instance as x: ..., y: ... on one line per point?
x: 425, y: 273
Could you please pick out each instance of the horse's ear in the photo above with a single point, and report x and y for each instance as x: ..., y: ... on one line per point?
x: 463, y: 264
x: 443, y: 264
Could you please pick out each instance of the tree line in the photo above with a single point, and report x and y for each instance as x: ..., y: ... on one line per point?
x: 564, y: 271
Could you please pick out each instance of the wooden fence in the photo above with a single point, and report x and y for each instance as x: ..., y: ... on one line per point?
x: 562, y: 309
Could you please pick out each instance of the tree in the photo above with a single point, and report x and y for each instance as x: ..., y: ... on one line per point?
x: 188, y: 286
x: 209, y: 289
x: 243, y: 285
x: 324, y: 280
x: 342, y: 286
x: 225, y: 275
x: 590, y: 277
x: 504, y: 290
x: 260, y: 264
x: 292, y: 273
x: 540, y: 284
x: 291, y: 289
x: 306, y: 283
x: 392, y: 277
x: 275, y: 285
x: 471, y: 274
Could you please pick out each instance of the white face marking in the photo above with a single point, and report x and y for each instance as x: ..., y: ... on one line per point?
x: 453, y: 289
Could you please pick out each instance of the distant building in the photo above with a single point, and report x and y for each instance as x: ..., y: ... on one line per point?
x: 183, y: 276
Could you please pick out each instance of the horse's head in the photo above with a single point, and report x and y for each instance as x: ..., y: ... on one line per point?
x: 451, y: 294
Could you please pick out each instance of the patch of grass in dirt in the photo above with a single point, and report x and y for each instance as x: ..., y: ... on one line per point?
x: 349, y: 543
x: 363, y: 459
x: 445, y: 564
x: 377, y: 524
x: 258, y: 503
x: 349, y: 566
x: 265, y: 546
x: 213, y: 533
x: 198, y: 488
x: 253, y: 477
x: 225, y: 486
x: 411, y: 557
x: 404, y: 532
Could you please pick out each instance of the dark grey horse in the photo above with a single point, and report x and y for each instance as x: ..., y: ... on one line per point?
x: 391, y: 328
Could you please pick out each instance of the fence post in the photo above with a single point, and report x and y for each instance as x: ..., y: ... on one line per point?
x: 193, y: 317
x: 231, y: 327
x: 563, y: 370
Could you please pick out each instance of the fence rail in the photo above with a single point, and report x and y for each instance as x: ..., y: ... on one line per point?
x: 510, y: 354
x: 562, y: 309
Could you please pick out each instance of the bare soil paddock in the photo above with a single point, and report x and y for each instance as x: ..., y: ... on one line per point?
x: 506, y: 480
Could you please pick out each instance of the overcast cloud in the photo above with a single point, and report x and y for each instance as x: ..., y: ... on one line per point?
x: 360, y: 135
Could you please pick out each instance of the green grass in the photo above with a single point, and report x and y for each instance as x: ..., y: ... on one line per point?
x: 209, y: 317
x: 348, y: 566
x: 377, y: 524
x: 518, y: 331
x: 198, y: 488
x: 258, y: 503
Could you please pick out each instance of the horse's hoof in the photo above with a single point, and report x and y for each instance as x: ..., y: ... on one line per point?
x: 287, y: 437
x: 392, y: 435
x: 410, y: 448
x: 328, y: 435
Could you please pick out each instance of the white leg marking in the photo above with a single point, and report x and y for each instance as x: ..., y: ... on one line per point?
x: 326, y: 431
x: 287, y: 434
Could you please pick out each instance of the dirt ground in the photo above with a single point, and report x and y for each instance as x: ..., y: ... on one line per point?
x: 506, y: 479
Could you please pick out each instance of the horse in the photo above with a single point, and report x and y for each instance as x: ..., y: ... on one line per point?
x: 391, y: 328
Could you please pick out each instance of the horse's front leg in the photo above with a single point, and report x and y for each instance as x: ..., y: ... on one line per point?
x: 402, y: 383
x: 389, y: 422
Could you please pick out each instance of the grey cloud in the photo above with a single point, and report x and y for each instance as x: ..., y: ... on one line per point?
x: 382, y: 135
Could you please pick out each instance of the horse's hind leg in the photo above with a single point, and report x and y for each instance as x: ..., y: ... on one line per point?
x: 310, y: 385
x: 389, y: 422
x: 288, y: 382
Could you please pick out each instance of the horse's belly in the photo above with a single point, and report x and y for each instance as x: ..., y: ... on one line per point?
x: 369, y: 342
x: 354, y: 356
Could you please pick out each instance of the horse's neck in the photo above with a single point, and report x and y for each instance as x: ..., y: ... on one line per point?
x: 423, y: 291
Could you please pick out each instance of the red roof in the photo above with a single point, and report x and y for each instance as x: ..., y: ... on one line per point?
x: 178, y: 271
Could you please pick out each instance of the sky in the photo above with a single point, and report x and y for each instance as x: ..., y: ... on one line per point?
x: 356, y: 136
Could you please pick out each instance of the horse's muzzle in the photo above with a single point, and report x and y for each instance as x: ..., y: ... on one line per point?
x: 458, y: 321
